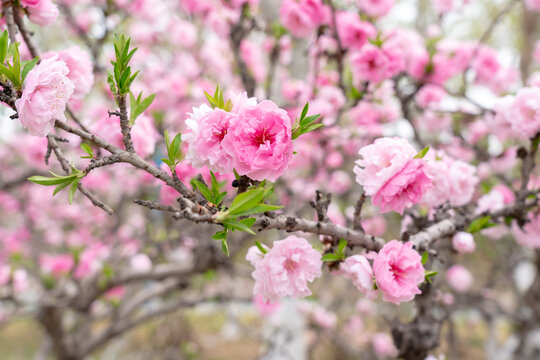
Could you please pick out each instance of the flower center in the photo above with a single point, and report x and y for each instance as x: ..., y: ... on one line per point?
x: 221, y: 134
x: 397, y: 272
x: 261, y: 136
x: 290, y: 265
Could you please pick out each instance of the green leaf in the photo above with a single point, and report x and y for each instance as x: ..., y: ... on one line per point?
x: 225, y: 247
x: 304, y: 111
x: 48, y: 181
x: 341, y: 246
x: 215, y: 187
x: 246, y: 201
x: 309, y: 120
x: 330, y: 258
x: 60, y: 187
x: 261, y: 247
x: 145, y: 104
x: 480, y: 224
x: 87, y: 149
x: 429, y: 275
x: 425, y: 257
x: 110, y: 80
x: 72, y: 191
x: 220, y: 235
x: 175, y: 146
x: 257, y: 209
x: 422, y: 153
x: 4, y: 40
x: 203, y: 189
x: 242, y: 225
x: 28, y: 66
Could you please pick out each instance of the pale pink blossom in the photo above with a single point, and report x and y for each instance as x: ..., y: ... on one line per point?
x: 525, y: 117
x: 46, y: 90
x: 260, y: 141
x: 56, y: 265
x: 302, y: 17
x: 286, y: 269
x: 398, y: 272
x: 324, y: 318
x: 353, y: 32
x: 206, y: 130
x: 459, y: 278
x: 533, y: 5
x: 454, y: 181
x: 391, y: 175
x: 43, y: 12
x: 430, y: 95
x: 358, y: 269
x: 376, y: 7
x: 375, y: 64
x: 463, y: 242
x: 383, y: 345
x: 140, y: 263
x: 529, y: 235
x: 444, y: 6
x: 81, y: 69
x: 265, y: 308
x: 485, y: 64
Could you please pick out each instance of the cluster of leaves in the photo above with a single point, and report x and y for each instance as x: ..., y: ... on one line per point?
x: 121, y: 79
x: 339, y: 254
x: 305, y: 123
x: 214, y: 195
x: 217, y: 101
x: 236, y: 217
x: 15, y: 71
x: 61, y: 182
x: 173, y: 151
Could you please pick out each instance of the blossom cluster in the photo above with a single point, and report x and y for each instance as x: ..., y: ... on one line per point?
x: 254, y: 138
x: 288, y: 267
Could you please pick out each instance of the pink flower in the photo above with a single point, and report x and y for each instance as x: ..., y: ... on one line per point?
x: 430, y: 95
x: 463, y: 242
x: 454, y: 181
x: 525, y: 116
x: 391, y: 175
x: 206, y: 130
x: 46, y: 91
x: 398, y: 271
x: 265, y: 308
x: 285, y: 269
x: 376, y: 7
x: 140, y: 263
x: 485, y: 64
x: 529, y: 236
x: 358, y: 269
x: 353, y: 32
x: 459, y: 278
x: 56, y: 265
x: 81, y: 69
x: 375, y: 64
x: 304, y: 16
x: 43, y: 12
x: 533, y: 5
x: 444, y: 6
x: 383, y: 345
x: 536, y: 52
x: 260, y: 141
